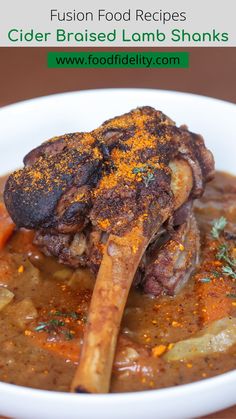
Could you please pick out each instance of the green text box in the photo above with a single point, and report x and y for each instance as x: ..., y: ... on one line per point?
x: 118, y: 59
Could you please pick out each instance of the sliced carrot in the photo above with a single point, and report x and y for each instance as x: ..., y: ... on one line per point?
x: 6, y: 226
x: 213, y: 301
x: 68, y: 350
x: 23, y: 241
x: 65, y: 340
x: 212, y: 286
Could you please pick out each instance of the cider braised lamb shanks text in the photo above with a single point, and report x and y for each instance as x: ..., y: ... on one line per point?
x: 117, y: 200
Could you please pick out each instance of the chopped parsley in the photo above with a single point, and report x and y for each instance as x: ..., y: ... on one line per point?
x: 218, y: 226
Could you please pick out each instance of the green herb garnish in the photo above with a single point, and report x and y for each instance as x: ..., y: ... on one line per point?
x: 230, y: 295
x: 205, y: 280
x: 223, y: 254
x: 147, y: 179
x: 41, y: 326
x: 72, y: 314
x: 218, y: 226
x: 49, y: 326
x: 227, y: 270
x: 147, y: 173
x: 216, y: 274
x: 139, y: 170
x: 68, y: 335
x: 54, y: 325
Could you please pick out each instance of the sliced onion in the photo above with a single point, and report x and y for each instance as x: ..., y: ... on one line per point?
x: 6, y: 297
x: 218, y: 337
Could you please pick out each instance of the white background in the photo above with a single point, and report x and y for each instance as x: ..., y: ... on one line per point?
x: 202, y: 16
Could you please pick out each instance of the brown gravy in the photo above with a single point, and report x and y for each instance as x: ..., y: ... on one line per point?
x: 42, y: 327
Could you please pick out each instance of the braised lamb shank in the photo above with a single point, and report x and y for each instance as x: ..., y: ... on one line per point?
x: 117, y: 200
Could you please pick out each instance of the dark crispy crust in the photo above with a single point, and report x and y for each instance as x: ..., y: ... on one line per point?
x: 77, y: 179
x: 84, y: 249
x: 76, y: 189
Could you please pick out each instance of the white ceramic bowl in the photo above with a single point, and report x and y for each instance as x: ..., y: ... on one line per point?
x: 25, y: 125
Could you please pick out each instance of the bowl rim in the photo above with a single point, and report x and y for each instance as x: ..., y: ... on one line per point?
x: 115, y: 89
x: 167, y: 392
x: 173, y: 391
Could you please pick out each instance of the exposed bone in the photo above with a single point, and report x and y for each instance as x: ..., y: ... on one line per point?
x: 121, y: 258
x: 110, y: 181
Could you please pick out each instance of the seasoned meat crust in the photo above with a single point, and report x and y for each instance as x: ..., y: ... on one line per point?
x: 107, y: 177
x: 77, y: 188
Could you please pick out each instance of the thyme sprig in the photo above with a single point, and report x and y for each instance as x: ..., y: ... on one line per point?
x: 227, y: 270
x: 147, y: 179
x: 50, y: 326
x: 72, y: 314
x: 57, y: 325
x: 218, y: 226
x: 223, y: 254
x: 54, y: 326
x: 216, y: 274
x: 147, y: 172
x: 231, y: 295
x: 205, y: 280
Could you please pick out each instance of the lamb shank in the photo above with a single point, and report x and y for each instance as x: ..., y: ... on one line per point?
x: 117, y: 200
